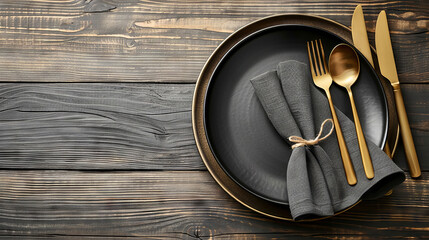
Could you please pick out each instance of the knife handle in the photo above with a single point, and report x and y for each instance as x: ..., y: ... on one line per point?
x: 407, y: 138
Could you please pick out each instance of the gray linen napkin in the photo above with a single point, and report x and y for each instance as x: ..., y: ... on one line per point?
x: 316, y: 182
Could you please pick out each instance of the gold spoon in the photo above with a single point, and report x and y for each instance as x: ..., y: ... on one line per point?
x: 345, y: 67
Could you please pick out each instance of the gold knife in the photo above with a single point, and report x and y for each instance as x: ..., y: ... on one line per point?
x: 360, y: 41
x: 360, y: 37
x: 386, y: 61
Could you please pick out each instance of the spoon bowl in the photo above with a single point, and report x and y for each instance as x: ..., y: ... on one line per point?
x: 344, y: 65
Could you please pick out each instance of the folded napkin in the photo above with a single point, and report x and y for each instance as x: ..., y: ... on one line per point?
x: 316, y: 182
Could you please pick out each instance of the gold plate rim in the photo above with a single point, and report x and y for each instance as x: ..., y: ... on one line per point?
x: 241, y: 195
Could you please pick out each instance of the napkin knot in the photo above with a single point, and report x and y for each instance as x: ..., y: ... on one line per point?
x: 300, y: 142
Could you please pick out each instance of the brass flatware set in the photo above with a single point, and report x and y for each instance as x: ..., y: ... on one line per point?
x: 343, y: 69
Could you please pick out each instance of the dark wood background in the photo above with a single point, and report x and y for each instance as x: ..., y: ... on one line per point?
x: 95, y: 121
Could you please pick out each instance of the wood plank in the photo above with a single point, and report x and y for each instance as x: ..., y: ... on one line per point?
x: 97, y: 126
x: 168, y: 41
x: 183, y: 205
x: 124, y: 126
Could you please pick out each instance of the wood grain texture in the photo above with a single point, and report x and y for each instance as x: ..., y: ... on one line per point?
x: 124, y: 126
x: 168, y: 41
x: 189, y: 205
x: 97, y: 126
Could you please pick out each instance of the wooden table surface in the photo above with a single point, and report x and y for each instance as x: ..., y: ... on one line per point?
x: 96, y: 139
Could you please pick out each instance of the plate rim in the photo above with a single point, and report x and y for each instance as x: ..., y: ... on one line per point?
x: 250, y: 201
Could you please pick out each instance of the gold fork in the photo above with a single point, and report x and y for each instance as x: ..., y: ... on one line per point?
x: 323, y: 80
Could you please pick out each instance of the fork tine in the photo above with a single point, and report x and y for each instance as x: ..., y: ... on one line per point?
x: 311, y: 62
x: 315, y: 59
x: 323, y: 56
x: 318, y: 56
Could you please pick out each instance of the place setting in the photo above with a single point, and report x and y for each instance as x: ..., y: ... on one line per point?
x: 298, y: 117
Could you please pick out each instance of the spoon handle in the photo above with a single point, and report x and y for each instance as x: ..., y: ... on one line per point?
x: 347, y: 162
x: 366, y: 158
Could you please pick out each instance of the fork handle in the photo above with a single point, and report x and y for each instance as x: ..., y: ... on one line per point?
x: 347, y: 162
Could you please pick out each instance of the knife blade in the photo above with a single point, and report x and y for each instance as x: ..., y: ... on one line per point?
x: 359, y: 34
x: 387, y: 65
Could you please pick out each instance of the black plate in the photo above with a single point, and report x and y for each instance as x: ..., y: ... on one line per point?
x: 240, y: 135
